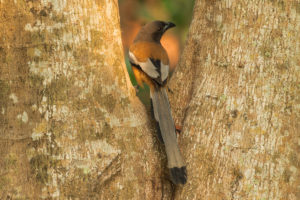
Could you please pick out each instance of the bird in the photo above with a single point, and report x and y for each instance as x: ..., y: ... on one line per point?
x: 150, y: 65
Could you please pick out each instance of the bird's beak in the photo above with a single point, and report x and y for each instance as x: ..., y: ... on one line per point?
x: 168, y: 26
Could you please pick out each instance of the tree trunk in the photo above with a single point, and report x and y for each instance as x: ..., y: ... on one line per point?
x: 70, y: 124
x: 238, y: 81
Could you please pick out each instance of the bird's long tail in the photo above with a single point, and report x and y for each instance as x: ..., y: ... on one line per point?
x: 162, y: 114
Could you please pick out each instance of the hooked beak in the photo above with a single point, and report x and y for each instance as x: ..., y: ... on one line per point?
x: 168, y: 26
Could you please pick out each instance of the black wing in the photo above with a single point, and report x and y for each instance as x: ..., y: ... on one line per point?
x: 156, y: 63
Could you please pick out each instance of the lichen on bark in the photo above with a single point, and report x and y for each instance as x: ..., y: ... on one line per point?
x: 239, y: 104
x: 68, y: 111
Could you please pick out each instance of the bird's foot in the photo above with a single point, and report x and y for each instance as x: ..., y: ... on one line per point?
x: 178, y: 129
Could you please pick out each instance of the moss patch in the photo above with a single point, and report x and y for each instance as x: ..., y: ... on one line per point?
x: 108, y: 101
x: 81, y: 56
x: 96, y: 37
x: 238, y: 175
x: 266, y: 51
x: 125, y: 102
x: 36, y: 84
x: 59, y: 18
x: 86, y: 132
x: 39, y: 167
x: 282, y: 66
x: 106, y: 131
x: 3, y: 182
x: 286, y: 175
x: 294, y: 159
x: 58, y: 89
x: 38, y: 38
x: 258, y: 170
x: 10, y: 161
x: 99, y: 114
x: 297, y: 6
x: 4, y: 92
x: 2, y: 55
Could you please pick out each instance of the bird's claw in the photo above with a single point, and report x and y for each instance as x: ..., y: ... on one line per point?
x: 178, y: 129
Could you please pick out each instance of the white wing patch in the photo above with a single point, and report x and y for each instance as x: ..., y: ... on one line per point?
x: 150, y: 69
x: 132, y: 58
x: 164, y: 71
x: 147, y: 66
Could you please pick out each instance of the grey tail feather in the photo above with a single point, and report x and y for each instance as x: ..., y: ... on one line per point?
x: 162, y: 114
x: 156, y: 124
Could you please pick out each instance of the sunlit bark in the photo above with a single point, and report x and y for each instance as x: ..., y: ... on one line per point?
x: 70, y: 124
x: 236, y: 93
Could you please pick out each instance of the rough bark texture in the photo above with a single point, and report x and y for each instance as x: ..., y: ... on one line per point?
x: 239, y: 101
x: 70, y: 124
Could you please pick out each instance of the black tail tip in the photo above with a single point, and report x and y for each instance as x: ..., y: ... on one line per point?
x: 178, y: 175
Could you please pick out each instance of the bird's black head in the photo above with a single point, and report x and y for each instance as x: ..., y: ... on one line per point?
x: 154, y: 31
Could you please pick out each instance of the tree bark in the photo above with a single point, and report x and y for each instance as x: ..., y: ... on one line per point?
x: 238, y: 81
x: 70, y: 123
